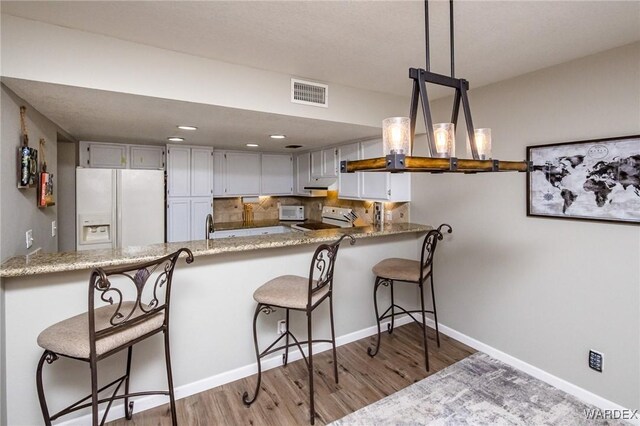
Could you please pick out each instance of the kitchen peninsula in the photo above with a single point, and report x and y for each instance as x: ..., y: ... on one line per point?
x: 212, y: 308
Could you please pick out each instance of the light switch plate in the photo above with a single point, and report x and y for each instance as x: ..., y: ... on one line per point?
x: 54, y: 228
x: 29, y: 238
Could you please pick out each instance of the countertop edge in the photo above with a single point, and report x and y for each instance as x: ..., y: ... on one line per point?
x: 200, y: 249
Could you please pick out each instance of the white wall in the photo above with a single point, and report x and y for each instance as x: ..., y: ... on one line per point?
x: 66, y: 196
x: 78, y: 58
x: 543, y: 290
x: 20, y: 211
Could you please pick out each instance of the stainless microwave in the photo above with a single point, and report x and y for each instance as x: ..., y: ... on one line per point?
x: 291, y: 212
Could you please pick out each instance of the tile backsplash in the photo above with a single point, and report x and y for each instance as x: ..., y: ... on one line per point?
x: 230, y: 209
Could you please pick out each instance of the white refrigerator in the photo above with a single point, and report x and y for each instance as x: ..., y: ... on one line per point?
x: 118, y: 208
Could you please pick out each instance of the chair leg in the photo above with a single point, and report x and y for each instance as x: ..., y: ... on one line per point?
x: 172, y: 398
x: 312, y: 413
x: 424, y: 328
x: 128, y: 405
x: 49, y: 357
x: 333, y: 339
x: 370, y: 351
x: 393, y: 313
x: 435, y: 312
x: 245, y: 396
x: 285, y: 356
x: 93, y: 365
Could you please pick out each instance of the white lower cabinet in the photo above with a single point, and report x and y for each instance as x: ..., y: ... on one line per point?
x: 200, y: 208
x: 186, y: 218
x: 178, y: 219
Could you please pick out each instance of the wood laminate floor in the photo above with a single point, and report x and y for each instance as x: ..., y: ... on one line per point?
x: 284, y: 398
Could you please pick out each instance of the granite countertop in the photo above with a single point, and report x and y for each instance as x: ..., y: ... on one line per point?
x: 79, y: 260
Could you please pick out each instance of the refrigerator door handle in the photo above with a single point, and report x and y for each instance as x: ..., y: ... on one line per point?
x: 118, y: 210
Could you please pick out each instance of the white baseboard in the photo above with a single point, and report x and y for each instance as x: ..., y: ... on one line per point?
x: 146, y: 403
x: 555, y: 381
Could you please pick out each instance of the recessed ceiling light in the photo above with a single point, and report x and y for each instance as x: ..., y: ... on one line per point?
x: 277, y: 136
x: 175, y: 139
x: 252, y: 145
x: 187, y: 127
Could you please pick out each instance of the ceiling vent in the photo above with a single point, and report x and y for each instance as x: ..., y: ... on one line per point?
x: 309, y: 93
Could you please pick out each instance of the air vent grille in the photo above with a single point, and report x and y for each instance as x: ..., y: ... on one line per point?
x: 309, y: 93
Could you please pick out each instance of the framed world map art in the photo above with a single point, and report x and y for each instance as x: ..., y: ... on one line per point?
x: 592, y: 180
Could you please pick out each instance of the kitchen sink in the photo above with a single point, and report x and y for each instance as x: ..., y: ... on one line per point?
x: 267, y: 230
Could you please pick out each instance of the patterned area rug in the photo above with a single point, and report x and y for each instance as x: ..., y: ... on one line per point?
x: 479, y: 390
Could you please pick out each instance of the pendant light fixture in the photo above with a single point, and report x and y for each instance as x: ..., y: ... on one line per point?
x: 399, y: 132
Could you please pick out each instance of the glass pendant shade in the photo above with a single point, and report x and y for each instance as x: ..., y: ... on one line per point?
x: 445, y: 140
x: 483, y: 144
x: 396, y: 135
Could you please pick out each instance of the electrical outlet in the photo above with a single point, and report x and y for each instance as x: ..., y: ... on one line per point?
x: 54, y: 228
x: 281, y: 327
x: 29, y: 238
x: 595, y: 360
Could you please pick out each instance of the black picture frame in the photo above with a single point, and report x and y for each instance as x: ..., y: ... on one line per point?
x: 594, y: 180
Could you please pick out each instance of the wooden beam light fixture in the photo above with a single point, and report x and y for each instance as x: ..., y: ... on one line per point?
x: 441, y: 136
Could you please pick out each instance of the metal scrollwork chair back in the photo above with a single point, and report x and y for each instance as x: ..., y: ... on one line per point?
x: 133, y: 304
x: 322, y: 266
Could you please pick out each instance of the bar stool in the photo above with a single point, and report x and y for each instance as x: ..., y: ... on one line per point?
x: 303, y: 294
x: 390, y: 270
x: 106, y: 330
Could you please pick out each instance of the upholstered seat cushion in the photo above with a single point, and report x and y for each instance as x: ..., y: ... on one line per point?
x: 399, y: 269
x: 288, y: 291
x: 71, y: 336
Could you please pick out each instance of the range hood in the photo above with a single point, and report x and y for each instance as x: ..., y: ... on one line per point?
x: 325, y: 184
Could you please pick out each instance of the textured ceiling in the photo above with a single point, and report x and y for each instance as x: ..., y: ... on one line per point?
x: 364, y: 44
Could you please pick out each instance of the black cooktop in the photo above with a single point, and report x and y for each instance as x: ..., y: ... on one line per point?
x: 313, y: 226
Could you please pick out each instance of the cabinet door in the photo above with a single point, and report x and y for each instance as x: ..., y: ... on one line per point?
x: 277, y: 174
x: 200, y: 208
x: 375, y: 185
x: 178, y: 171
x: 201, y: 172
x: 179, y: 220
x: 303, y: 173
x: 147, y: 157
x: 349, y: 183
x: 316, y: 164
x: 329, y: 162
x: 106, y: 155
x: 243, y: 173
x: 218, y: 174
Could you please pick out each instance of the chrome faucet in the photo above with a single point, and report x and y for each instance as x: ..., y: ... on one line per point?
x: 208, y: 226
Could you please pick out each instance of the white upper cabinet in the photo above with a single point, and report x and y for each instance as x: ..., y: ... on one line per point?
x: 349, y: 183
x: 104, y: 155
x: 219, y: 171
x: 316, y: 164
x: 302, y: 173
x: 146, y: 157
x: 330, y: 162
x: 178, y: 171
x: 375, y: 185
x: 201, y: 172
x: 382, y: 186
x: 324, y: 163
x: 243, y: 173
x: 277, y: 174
